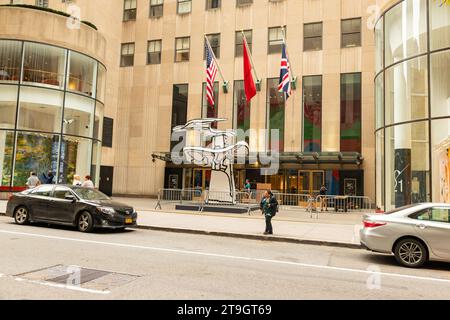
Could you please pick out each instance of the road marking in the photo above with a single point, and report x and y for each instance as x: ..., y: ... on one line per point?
x: 63, y: 286
x: 217, y: 255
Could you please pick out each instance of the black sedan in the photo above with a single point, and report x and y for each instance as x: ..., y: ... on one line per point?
x: 69, y: 205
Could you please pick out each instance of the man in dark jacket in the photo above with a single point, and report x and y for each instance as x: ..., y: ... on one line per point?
x: 48, y: 179
x: 269, y: 207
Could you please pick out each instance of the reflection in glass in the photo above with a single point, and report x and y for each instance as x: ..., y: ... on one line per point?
x: 209, y: 111
x: 312, y: 91
x: 276, y: 116
x: 40, y: 109
x: 407, y: 166
x: 78, y: 115
x: 439, y: 25
x: 10, y: 60
x: 8, y: 103
x: 82, y: 74
x: 75, y: 158
x: 101, y: 82
x: 407, y: 91
x: 440, y: 150
x: 379, y: 101
x: 440, y: 84
x: 241, y: 110
x: 351, y: 112
x: 380, y: 169
x: 36, y: 152
x: 44, y: 65
x: 406, y: 30
x: 6, y: 151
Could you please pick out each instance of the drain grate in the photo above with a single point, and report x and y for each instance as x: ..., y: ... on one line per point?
x: 79, y: 277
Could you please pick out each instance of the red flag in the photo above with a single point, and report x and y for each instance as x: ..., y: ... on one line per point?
x: 249, y: 83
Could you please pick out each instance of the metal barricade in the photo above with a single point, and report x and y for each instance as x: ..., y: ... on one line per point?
x: 179, y: 196
x: 344, y: 203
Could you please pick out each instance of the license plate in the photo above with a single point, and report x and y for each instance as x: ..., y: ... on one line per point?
x: 129, y: 221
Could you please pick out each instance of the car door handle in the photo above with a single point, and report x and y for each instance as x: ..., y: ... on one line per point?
x: 421, y: 226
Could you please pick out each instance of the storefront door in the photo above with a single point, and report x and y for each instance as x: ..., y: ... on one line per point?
x: 201, y: 178
x: 310, y: 182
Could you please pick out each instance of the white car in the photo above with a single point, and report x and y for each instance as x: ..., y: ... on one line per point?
x: 415, y: 234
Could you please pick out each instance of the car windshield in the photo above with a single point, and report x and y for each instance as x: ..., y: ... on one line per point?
x: 90, y: 194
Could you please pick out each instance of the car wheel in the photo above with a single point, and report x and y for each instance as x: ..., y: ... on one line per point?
x: 85, y: 223
x: 411, y: 253
x: 21, y: 215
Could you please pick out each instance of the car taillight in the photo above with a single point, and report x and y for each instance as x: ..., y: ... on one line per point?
x: 373, y: 224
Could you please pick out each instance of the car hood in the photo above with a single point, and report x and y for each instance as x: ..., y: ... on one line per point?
x: 110, y: 203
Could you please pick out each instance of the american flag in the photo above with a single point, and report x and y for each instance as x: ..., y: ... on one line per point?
x: 211, y: 72
x: 285, y: 74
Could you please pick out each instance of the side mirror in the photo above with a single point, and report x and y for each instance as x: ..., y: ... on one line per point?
x: 70, y: 197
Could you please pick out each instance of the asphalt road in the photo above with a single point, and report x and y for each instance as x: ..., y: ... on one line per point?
x: 141, y: 264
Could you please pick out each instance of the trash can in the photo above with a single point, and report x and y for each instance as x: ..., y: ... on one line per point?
x: 340, y: 203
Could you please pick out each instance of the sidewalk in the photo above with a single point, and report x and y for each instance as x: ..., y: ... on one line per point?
x: 296, y: 226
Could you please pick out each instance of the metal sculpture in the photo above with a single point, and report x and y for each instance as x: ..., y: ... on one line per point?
x: 219, y: 155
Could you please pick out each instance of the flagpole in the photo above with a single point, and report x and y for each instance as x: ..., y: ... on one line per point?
x: 250, y: 55
x: 215, y: 59
x: 287, y: 51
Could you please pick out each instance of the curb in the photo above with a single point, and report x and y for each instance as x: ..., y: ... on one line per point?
x: 253, y: 237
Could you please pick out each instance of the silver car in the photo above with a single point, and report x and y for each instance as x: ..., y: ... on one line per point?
x: 415, y: 234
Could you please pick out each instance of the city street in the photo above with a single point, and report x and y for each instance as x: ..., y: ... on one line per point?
x: 142, y: 264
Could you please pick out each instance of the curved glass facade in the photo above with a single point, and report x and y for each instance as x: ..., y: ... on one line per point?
x: 412, y: 90
x: 51, y: 113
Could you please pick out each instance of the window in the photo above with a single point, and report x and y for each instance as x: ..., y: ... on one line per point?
x: 129, y: 11
x: 156, y: 8
x: 127, y: 56
x: 82, y: 74
x: 239, y: 49
x: 184, y: 6
x: 351, y: 112
x: 61, y: 193
x: 10, y: 61
x: 436, y: 214
x: 209, y: 111
x: 312, y: 36
x: 212, y: 4
x: 107, y: 136
x: 154, y: 52
x: 241, y: 3
x: 275, y: 40
x: 179, y: 111
x: 182, y: 49
x: 241, y: 110
x: 42, y: 3
x: 275, y: 114
x: 43, y: 191
x: 312, y: 113
x: 214, y: 41
x: 351, y: 33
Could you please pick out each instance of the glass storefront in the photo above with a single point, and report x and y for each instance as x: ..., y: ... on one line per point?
x: 51, y: 113
x: 413, y: 104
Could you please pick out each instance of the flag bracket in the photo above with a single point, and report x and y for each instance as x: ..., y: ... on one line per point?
x: 225, y: 86
x: 258, y: 85
x: 294, y: 83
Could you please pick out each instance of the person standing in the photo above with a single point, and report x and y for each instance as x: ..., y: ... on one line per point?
x: 323, y: 198
x: 88, y: 182
x: 48, y: 179
x: 76, y: 181
x: 269, y: 208
x: 33, y: 181
x: 248, y: 188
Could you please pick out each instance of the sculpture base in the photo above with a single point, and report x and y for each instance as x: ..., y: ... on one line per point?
x: 217, y: 208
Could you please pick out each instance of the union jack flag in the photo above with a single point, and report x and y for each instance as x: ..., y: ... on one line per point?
x: 211, y: 72
x: 285, y: 74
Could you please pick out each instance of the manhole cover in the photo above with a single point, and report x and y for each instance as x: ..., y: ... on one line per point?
x: 75, y: 276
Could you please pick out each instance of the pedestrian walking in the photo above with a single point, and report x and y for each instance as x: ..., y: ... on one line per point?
x: 88, y: 182
x: 33, y: 181
x: 323, y: 198
x: 77, y: 180
x: 248, y: 188
x: 48, y: 179
x: 269, y: 208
